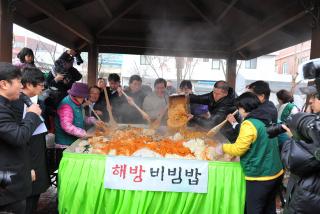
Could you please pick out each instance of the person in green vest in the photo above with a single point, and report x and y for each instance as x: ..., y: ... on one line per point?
x: 286, y: 106
x: 259, y: 157
x: 70, y: 120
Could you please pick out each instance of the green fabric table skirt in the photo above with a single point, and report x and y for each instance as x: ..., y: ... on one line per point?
x: 81, y: 190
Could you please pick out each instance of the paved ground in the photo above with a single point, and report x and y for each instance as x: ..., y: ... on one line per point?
x: 48, y: 202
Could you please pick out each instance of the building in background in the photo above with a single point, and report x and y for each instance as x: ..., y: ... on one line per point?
x: 288, y: 59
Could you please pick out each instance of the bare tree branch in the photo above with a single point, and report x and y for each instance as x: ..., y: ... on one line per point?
x: 238, y: 69
x: 193, y: 67
x: 150, y: 62
x: 223, y: 68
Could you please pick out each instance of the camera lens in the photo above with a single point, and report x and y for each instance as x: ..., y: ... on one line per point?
x: 79, y: 60
x: 274, y: 130
x: 300, y: 125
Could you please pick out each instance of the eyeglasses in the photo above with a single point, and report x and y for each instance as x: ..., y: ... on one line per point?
x: 313, y: 96
x: 40, y: 84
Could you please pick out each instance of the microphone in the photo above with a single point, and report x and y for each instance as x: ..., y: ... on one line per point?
x: 28, y: 102
x: 26, y: 99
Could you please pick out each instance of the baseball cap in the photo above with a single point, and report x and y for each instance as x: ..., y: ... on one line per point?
x: 309, y: 90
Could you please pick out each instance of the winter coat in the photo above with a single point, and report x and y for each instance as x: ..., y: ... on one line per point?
x: 14, y: 135
x: 303, y: 160
x: 73, y: 75
x: 69, y: 122
x: 267, y: 112
x: 219, y: 111
x: 37, y: 153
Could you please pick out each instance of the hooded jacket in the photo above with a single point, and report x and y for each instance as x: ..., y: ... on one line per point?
x: 266, y: 112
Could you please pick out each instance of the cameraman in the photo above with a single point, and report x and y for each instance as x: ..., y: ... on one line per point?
x: 64, y: 74
x: 15, y: 176
x: 59, y: 81
x: 302, y: 158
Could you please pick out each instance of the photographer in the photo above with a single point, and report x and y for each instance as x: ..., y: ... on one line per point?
x: 15, y: 176
x: 58, y: 83
x: 301, y: 154
x: 64, y: 74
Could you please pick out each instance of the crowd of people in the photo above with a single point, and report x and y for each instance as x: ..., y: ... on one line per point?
x: 71, y: 108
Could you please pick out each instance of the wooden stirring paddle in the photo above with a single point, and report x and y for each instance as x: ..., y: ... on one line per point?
x: 217, y: 128
x: 143, y: 113
x: 112, y: 121
x: 97, y: 116
x: 94, y: 112
x: 157, y: 122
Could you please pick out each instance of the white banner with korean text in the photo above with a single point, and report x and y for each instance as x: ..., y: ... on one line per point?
x: 156, y: 174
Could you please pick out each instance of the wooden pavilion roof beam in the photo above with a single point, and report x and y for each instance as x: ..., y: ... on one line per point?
x: 119, y: 16
x: 77, y: 4
x: 252, y: 14
x: 186, y: 20
x: 270, y: 25
x: 105, y: 8
x: 226, y: 11
x: 196, y: 7
x: 56, y: 12
x: 140, y: 41
x: 37, y: 19
x: 22, y: 21
x: 150, y: 50
x: 240, y: 8
x: 69, y: 7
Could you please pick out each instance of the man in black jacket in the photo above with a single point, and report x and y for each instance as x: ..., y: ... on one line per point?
x: 113, y: 95
x: 33, y: 83
x: 220, y: 103
x: 262, y: 90
x: 126, y: 112
x: 267, y: 111
x: 14, y: 135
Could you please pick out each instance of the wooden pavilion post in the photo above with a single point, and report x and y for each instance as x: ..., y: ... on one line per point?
x: 231, y: 71
x: 92, y: 64
x: 6, y: 27
x: 315, y: 42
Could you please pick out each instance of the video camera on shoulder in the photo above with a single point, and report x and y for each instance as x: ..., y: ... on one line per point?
x: 69, y: 56
x: 59, y: 68
x: 304, y: 126
x: 78, y: 57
